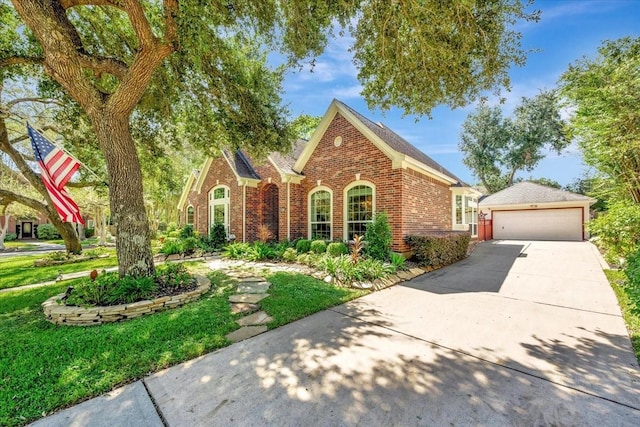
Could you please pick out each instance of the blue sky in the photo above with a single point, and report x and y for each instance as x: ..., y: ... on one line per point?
x: 567, y: 31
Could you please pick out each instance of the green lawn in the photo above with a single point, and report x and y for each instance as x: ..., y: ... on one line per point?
x: 44, y: 367
x: 19, y: 270
x: 630, y: 309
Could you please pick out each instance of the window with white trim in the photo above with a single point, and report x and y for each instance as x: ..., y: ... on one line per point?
x: 219, y: 207
x: 320, y: 214
x: 190, y: 215
x: 359, y: 209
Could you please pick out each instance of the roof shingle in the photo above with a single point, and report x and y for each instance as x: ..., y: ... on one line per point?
x: 528, y: 192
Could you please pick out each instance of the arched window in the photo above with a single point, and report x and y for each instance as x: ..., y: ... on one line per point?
x: 320, y: 214
x: 359, y: 208
x: 219, y: 207
x: 190, y: 215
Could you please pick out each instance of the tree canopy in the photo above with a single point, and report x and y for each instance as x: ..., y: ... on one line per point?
x: 495, y: 147
x: 605, y: 94
x: 202, y: 67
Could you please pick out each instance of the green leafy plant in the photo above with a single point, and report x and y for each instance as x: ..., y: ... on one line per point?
x: 189, y: 245
x: 130, y: 289
x: 318, y: 246
x: 279, y: 249
x: 259, y: 251
x: 57, y: 256
x: 186, y: 231
x: 617, y: 231
x: 10, y: 236
x: 289, y: 255
x: 89, y: 232
x: 236, y: 250
x: 398, y: 261
x: 303, y: 246
x: 47, y: 232
x: 378, y: 238
x: 336, y: 249
x: 171, y: 246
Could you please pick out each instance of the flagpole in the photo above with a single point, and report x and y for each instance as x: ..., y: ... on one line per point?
x: 69, y: 154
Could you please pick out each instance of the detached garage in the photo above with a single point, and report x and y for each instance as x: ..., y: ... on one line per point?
x: 529, y: 211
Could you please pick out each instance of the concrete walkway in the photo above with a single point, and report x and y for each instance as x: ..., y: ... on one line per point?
x: 517, y: 334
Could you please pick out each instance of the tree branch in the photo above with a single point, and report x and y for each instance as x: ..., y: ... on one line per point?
x: 10, y: 196
x: 101, y: 65
x: 34, y: 99
x: 68, y: 4
x: 85, y: 184
x: 140, y: 24
x: 20, y: 60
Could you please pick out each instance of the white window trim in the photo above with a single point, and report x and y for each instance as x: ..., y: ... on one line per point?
x: 311, y: 193
x: 226, y: 201
x: 186, y: 215
x: 345, y: 207
x: 465, y: 226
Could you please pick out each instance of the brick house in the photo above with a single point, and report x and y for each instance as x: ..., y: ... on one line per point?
x: 330, y: 187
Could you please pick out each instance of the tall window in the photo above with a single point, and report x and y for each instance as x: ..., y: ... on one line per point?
x: 190, y: 214
x: 320, y: 215
x: 359, y: 210
x: 219, y: 207
x: 471, y: 214
x: 458, y: 209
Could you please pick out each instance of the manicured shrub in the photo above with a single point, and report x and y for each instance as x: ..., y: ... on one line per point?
x: 217, y: 236
x: 336, y: 249
x: 10, y: 236
x: 186, y: 231
x: 378, y: 238
x: 303, y: 246
x: 189, y: 245
x: 89, y: 232
x: 47, y: 232
x: 438, y: 249
x: 318, y: 246
x: 617, y: 232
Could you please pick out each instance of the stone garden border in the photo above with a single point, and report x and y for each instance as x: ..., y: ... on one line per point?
x: 61, y: 314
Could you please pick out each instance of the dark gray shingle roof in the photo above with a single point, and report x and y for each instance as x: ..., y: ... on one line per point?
x: 241, y: 164
x: 529, y: 192
x: 286, y: 161
x: 399, y: 144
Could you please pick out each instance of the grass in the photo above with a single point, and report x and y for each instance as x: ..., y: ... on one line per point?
x: 630, y: 309
x: 44, y: 367
x: 19, y: 270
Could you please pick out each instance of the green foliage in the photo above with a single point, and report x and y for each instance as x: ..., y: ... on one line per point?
x: 47, y: 232
x: 189, y: 245
x: 345, y: 272
x: 186, y: 231
x: 398, y: 261
x: 632, y: 271
x: 57, y: 256
x: 10, y: 237
x: 304, y: 125
x: 259, y: 251
x: 604, y: 91
x: 171, y: 246
x: 318, y: 246
x: 378, y: 238
x: 495, y: 148
x: 217, y: 236
x: 290, y: 255
x: 337, y: 248
x: 89, y: 232
x: 439, y: 248
x: 303, y: 246
x: 279, y: 248
x: 617, y: 231
x: 236, y: 250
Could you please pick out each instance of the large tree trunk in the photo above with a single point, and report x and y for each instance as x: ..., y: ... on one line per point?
x: 133, y: 242
x: 68, y: 233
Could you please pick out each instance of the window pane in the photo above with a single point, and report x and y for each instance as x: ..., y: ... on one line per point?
x: 359, y: 210
x: 190, y: 215
x: 218, y: 193
x: 321, y: 231
x: 458, y: 209
x: 320, y: 217
x: 218, y: 214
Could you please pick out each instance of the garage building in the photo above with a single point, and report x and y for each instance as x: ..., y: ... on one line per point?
x: 530, y: 211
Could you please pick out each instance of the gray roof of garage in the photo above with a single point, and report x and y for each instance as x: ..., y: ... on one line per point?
x: 529, y: 192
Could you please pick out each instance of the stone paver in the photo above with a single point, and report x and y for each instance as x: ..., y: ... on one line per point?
x: 253, y: 287
x: 255, y: 319
x: 243, y: 307
x: 246, y: 332
x: 250, y: 298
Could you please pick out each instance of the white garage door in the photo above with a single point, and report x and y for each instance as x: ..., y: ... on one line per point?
x: 538, y: 224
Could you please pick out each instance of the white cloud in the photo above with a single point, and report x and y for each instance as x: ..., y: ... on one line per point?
x: 349, y: 92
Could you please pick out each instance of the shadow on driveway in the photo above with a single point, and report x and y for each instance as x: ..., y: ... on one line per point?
x: 483, y: 271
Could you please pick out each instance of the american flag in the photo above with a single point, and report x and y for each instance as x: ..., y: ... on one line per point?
x: 57, y: 169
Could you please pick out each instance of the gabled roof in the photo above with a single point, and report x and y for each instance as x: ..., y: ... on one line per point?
x: 529, y: 192
x: 284, y: 162
x: 241, y: 165
x: 193, y: 177
x: 396, y: 148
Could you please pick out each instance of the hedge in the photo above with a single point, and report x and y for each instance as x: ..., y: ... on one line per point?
x: 440, y: 248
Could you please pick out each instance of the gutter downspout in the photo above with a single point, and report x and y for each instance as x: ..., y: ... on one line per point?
x: 289, y: 208
x: 244, y: 212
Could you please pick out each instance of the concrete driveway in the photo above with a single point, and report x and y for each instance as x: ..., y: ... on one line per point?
x: 520, y: 333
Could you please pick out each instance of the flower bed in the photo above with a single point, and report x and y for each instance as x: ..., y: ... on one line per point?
x: 59, y: 313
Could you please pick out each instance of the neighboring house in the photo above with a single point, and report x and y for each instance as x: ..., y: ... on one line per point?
x: 529, y: 211
x: 330, y: 187
x: 24, y: 227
